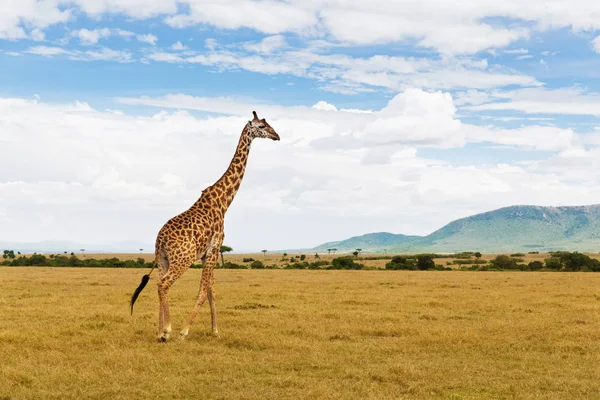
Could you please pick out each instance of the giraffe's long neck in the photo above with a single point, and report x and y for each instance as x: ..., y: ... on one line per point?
x: 222, y: 192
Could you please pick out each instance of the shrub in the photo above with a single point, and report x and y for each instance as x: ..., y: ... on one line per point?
x: 302, y: 257
x: 517, y: 255
x: 345, y: 263
x: 400, y: 262
x: 257, y: 265
x: 248, y: 259
x: 230, y: 265
x: 425, y: 262
x: 504, y: 262
x: 535, y: 265
x: 553, y: 263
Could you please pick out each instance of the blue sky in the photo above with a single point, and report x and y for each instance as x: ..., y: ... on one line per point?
x: 394, y: 116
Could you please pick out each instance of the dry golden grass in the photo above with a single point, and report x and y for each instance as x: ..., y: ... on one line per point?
x: 67, y: 334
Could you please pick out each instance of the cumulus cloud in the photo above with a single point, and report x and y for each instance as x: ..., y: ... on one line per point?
x: 127, y: 174
x: 463, y: 28
x: 596, y: 44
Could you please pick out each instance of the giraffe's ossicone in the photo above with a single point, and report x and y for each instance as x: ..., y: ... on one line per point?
x: 197, y: 234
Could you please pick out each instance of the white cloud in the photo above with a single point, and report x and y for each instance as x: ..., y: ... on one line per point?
x: 574, y: 101
x: 596, y: 44
x: 102, y: 54
x: 177, y: 46
x: 524, y: 57
x: 345, y: 74
x: 458, y: 29
x: 291, y: 185
x: 516, y: 51
x: 47, y: 51
x: 147, y: 38
x: 268, y: 45
x: 542, y: 138
x: 37, y: 35
x: 87, y: 36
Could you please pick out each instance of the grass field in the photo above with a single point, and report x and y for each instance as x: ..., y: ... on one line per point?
x: 288, y: 334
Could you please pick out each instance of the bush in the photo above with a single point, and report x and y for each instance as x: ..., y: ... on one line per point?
x: 230, y: 265
x: 247, y: 259
x: 403, y: 263
x: 536, y: 265
x: 344, y: 263
x: 517, y: 255
x: 425, y: 262
x: 302, y: 257
x: 257, y: 265
x: 504, y: 262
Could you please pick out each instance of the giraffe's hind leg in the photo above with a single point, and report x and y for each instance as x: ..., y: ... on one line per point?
x: 163, y: 267
x: 207, y: 271
x: 164, y: 283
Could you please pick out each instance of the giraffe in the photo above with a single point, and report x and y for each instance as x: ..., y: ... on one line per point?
x: 197, y: 234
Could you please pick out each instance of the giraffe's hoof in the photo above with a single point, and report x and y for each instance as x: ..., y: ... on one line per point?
x: 163, y: 339
x: 215, y: 333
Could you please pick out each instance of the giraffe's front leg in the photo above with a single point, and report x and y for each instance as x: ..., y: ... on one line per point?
x: 203, y: 291
x: 213, y: 307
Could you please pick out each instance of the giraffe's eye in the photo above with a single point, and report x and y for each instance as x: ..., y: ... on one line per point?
x: 261, y: 126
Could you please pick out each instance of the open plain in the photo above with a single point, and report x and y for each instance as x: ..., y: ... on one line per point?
x: 293, y: 334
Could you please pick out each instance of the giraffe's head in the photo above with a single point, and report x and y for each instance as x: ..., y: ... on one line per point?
x: 259, y: 128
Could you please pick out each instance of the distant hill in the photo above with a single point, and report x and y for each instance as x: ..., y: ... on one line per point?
x: 509, y: 229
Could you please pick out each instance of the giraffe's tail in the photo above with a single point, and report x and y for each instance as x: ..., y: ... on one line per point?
x: 141, y: 287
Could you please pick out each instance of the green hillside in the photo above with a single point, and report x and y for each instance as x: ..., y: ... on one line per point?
x: 509, y: 229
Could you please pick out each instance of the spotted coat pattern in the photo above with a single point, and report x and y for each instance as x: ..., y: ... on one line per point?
x: 197, y: 233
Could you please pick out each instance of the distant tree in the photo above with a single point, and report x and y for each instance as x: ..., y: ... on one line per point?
x: 425, y: 262
x: 328, y: 251
x: 264, y: 252
x: 317, y: 255
x: 356, y: 253
x: 82, y: 251
x: 333, y: 250
x: 141, y: 250
x: 535, y: 265
x: 224, y: 249
x: 285, y: 254
x: 478, y: 254
x: 553, y: 263
x: 302, y: 257
x: 72, y: 253
x: 504, y: 262
x: 9, y: 254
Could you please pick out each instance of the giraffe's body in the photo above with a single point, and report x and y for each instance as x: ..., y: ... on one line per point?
x: 197, y: 233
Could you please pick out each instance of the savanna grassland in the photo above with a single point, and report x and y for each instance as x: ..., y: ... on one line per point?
x: 66, y: 333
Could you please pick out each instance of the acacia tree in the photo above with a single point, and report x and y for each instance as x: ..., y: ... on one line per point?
x: 224, y: 249
x: 264, y: 252
x: 358, y: 251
